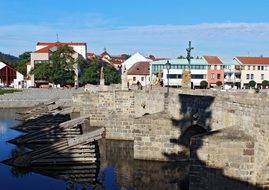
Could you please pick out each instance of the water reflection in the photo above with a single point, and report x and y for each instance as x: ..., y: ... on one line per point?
x: 135, y: 174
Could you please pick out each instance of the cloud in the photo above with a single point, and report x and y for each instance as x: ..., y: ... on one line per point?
x: 223, y: 39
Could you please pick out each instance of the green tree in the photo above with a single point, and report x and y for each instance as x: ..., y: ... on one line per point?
x: 41, y: 71
x: 265, y: 83
x: 203, y: 84
x: 91, y: 73
x: 62, y: 66
x: 218, y: 83
x: 21, y: 64
x: 252, y: 83
x: 111, y: 75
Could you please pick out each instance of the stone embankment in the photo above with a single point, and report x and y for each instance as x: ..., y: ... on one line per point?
x: 31, y: 97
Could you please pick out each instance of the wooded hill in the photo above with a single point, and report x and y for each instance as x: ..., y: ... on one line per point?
x: 9, y: 59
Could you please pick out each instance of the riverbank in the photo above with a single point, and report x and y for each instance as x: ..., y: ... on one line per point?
x: 34, y: 96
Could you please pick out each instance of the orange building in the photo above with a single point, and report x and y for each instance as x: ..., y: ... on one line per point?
x: 215, y: 70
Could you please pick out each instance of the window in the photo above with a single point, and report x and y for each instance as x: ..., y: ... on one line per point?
x: 259, y: 67
x: 40, y: 61
x: 134, y: 78
x: 215, y: 67
x: 197, y: 76
x: 247, y: 76
x: 212, y: 76
x: 248, y: 67
x: 262, y: 68
x: 265, y: 68
x: 142, y: 78
x: 262, y: 76
x: 254, y: 67
x: 251, y: 76
x: 218, y: 76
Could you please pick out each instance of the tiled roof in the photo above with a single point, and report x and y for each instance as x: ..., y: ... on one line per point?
x: 254, y: 60
x: 63, y: 43
x: 212, y: 60
x: 139, y: 68
x: 44, y: 50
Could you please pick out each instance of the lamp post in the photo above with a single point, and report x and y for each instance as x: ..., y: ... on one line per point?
x: 168, y: 67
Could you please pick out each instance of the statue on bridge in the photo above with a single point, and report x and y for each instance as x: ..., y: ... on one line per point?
x: 186, y: 73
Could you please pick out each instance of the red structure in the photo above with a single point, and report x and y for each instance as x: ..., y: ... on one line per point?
x: 215, y: 72
x: 7, y: 75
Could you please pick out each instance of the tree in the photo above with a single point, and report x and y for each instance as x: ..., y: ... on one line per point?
x: 203, y: 84
x: 252, y: 83
x: 41, y: 71
x: 265, y: 83
x: 218, y: 83
x: 21, y: 64
x: 62, y: 66
x: 111, y: 75
x: 91, y: 73
x: 8, y: 59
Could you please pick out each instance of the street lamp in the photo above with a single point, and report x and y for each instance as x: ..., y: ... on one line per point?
x: 168, y: 67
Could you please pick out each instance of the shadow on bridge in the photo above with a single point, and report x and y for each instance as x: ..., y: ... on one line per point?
x: 194, y: 126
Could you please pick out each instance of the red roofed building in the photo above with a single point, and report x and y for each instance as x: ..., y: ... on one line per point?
x: 253, y: 68
x: 42, y: 54
x: 115, y: 60
x: 215, y: 70
x: 139, y: 72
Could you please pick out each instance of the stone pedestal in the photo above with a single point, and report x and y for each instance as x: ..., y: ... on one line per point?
x: 186, y: 79
x: 102, y: 82
x: 124, y: 81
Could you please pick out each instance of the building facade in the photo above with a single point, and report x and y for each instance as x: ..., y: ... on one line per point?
x: 253, y: 68
x: 10, y: 77
x: 42, y: 54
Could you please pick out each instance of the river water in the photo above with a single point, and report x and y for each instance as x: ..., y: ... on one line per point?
x: 117, y: 168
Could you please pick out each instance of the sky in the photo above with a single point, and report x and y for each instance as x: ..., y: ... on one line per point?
x: 226, y: 28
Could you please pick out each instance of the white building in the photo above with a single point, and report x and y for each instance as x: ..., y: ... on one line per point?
x: 137, y: 57
x: 139, y: 72
x: 42, y: 54
x: 198, y: 71
x: 253, y: 68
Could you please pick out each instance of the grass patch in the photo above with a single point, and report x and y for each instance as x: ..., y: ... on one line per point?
x: 5, y: 91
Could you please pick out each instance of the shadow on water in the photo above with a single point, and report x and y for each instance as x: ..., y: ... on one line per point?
x: 138, y: 174
x: 195, y: 123
x: 74, y: 165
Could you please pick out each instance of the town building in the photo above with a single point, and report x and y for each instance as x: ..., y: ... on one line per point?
x: 42, y: 54
x: 139, y: 74
x: 215, y: 72
x: 253, y: 68
x: 232, y: 75
x: 198, y: 67
x: 10, y: 77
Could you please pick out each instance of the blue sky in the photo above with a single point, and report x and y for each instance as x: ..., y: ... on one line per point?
x: 163, y: 28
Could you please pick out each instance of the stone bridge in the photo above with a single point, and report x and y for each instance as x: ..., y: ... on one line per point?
x: 224, y: 134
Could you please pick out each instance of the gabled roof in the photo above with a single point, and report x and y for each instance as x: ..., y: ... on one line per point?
x: 212, y: 60
x: 104, y: 54
x: 44, y: 50
x: 253, y: 60
x: 137, y: 57
x: 139, y: 68
x: 51, y: 47
x: 63, y: 43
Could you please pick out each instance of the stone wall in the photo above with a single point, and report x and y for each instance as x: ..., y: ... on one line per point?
x: 33, y: 96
